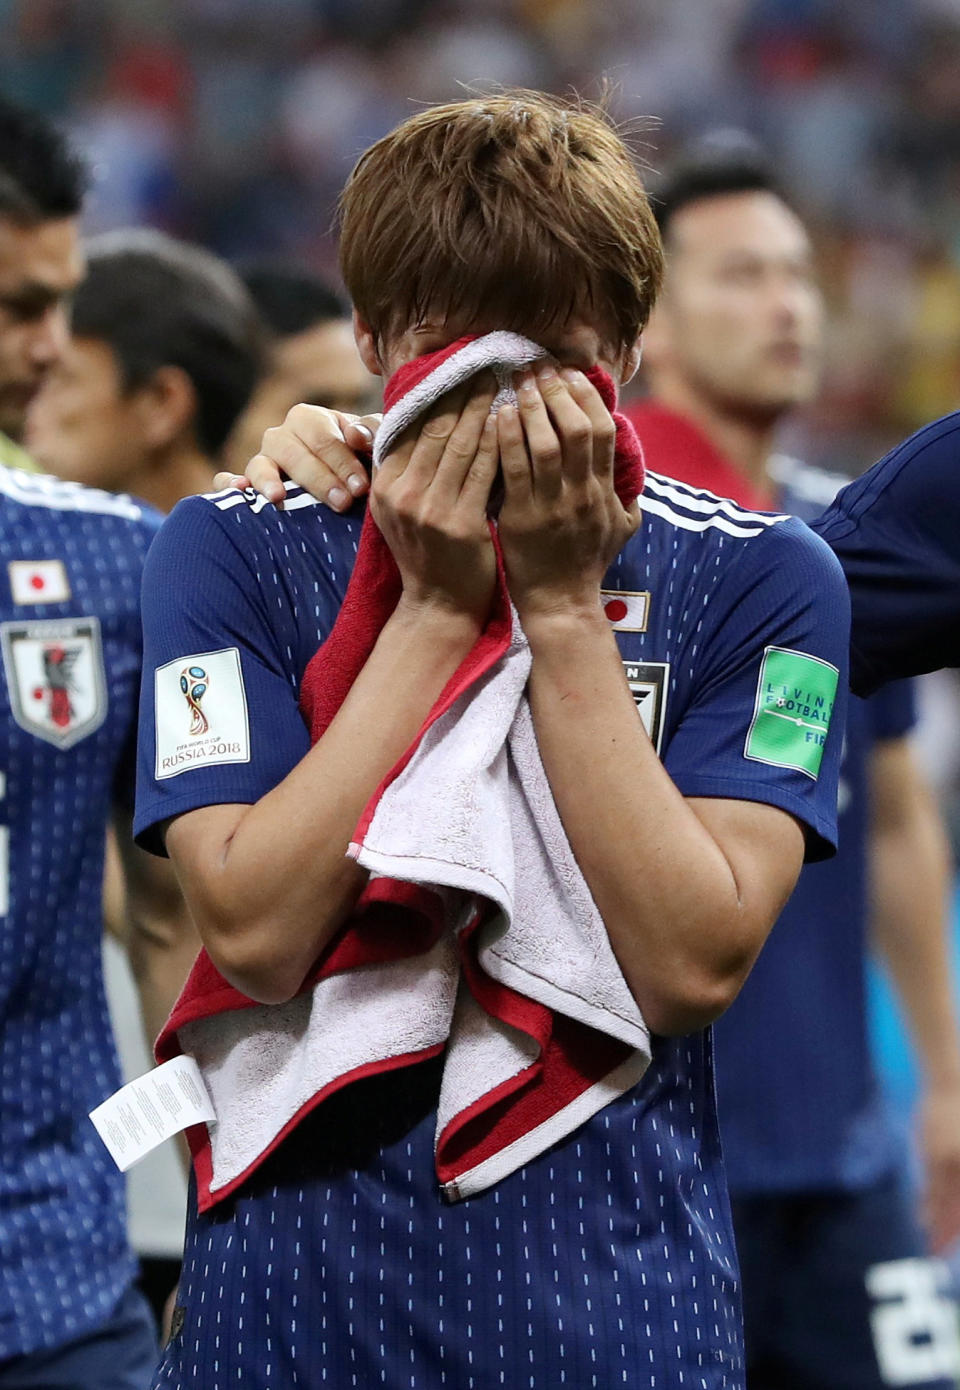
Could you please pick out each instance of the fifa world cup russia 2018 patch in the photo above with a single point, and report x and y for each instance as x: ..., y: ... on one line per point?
x: 792, y: 712
x: 201, y: 712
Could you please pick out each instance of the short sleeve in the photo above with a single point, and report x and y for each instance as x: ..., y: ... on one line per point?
x: 896, y: 532
x: 219, y: 718
x: 766, y: 717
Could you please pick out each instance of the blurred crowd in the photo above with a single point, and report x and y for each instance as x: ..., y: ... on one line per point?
x: 234, y: 123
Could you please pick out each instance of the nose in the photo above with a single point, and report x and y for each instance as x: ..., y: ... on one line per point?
x: 50, y: 337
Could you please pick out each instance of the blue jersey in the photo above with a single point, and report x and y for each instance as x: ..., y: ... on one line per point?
x: 70, y: 568
x: 609, y: 1260
x: 896, y: 531
x: 800, y: 1109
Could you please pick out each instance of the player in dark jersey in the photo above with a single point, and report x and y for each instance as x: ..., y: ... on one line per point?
x: 896, y: 531
x: 70, y: 569
x: 609, y: 1259
x: 165, y: 350
x: 836, y: 1292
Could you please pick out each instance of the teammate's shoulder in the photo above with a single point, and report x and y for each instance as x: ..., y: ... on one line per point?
x: 42, y: 492
x: 921, y: 471
x: 249, y: 508
x: 695, y: 511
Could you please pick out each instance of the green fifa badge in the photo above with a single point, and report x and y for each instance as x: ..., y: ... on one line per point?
x: 791, y: 717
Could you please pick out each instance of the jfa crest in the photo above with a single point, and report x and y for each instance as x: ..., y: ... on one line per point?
x: 55, y: 676
x: 648, y: 686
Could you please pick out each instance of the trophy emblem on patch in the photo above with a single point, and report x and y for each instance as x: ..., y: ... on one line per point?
x: 193, y: 683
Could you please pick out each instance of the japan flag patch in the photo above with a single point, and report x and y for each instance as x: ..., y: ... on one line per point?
x: 38, y: 581
x: 627, y: 612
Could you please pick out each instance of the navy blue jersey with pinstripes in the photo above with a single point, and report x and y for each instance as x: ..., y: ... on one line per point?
x: 609, y: 1260
x: 70, y: 567
x: 800, y: 1108
x: 896, y: 531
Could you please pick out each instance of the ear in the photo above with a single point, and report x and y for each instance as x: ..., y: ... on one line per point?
x: 366, y: 342
x: 167, y: 407
x: 631, y: 362
x: 658, y: 337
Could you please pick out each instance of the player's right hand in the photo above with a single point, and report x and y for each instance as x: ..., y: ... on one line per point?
x: 316, y: 448
x: 429, y: 499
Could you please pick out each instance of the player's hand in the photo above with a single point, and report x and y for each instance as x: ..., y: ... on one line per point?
x: 562, y: 523
x: 429, y: 498
x: 315, y: 447
x: 940, y: 1141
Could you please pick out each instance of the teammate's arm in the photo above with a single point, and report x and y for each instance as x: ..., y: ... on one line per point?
x: 316, y: 448
x: 911, y: 883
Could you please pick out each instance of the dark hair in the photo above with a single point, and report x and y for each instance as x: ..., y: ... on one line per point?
x: 289, y: 298
x: 724, y: 163
x: 157, y: 302
x: 41, y: 176
x: 517, y: 209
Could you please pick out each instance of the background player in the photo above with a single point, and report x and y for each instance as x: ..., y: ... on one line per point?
x: 688, y: 859
x: 70, y: 569
x: 311, y: 355
x: 165, y: 353
x: 896, y: 531
x: 825, y: 1232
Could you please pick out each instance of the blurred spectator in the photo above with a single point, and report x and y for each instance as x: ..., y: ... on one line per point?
x: 312, y: 357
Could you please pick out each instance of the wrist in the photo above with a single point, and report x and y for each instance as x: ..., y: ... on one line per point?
x: 562, y: 619
x: 436, y: 617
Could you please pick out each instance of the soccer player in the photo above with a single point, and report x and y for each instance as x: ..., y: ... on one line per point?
x: 609, y: 1259
x: 836, y: 1292
x: 71, y: 562
x: 165, y: 353
x: 312, y: 357
x: 896, y: 531
x: 733, y: 344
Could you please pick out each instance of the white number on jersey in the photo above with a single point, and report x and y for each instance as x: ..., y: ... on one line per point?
x: 915, y: 1324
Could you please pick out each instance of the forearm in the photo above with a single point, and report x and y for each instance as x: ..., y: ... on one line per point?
x: 279, y: 885
x: 684, y: 927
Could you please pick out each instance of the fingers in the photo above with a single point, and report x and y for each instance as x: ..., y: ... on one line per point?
x: 222, y: 481
x: 419, y: 449
x: 570, y: 434
x: 310, y: 448
x: 514, y: 459
x: 603, y: 431
x: 546, y: 454
x: 475, y: 491
x: 440, y: 452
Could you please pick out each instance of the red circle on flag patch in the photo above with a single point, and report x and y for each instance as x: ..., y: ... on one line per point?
x: 37, y: 692
x: 615, y: 609
x: 37, y: 581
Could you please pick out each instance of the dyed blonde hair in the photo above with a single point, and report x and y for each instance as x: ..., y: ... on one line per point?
x: 512, y: 211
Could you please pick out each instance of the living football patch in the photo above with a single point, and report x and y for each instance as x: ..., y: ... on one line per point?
x: 792, y: 712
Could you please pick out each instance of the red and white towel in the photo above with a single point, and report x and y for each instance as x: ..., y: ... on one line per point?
x: 476, y: 934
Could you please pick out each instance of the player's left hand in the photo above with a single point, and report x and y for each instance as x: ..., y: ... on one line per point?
x: 561, y: 523
x: 940, y: 1140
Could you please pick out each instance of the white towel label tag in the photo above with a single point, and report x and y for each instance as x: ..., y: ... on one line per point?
x: 145, y: 1112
